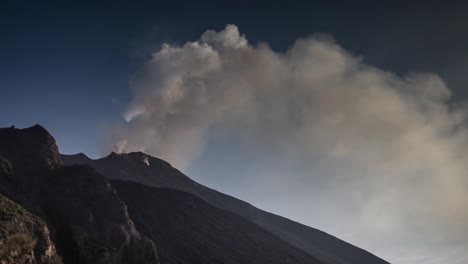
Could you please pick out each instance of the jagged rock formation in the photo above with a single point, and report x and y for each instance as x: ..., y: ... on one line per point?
x: 88, y: 221
x: 24, y: 237
x: 151, y: 171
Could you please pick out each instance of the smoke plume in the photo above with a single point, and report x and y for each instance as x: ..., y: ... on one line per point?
x: 392, y: 149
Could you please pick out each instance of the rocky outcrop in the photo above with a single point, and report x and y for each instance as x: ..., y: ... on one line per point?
x: 26, y: 155
x: 88, y: 221
x: 24, y: 237
x: 29, y: 149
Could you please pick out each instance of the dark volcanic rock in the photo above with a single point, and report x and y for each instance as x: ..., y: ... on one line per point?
x: 24, y: 237
x: 189, y: 230
x: 29, y: 149
x: 138, y: 167
x: 75, y: 159
x: 142, y: 168
x: 92, y: 224
x: 26, y: 155
x: 88, y: 221
x: 6, y: 170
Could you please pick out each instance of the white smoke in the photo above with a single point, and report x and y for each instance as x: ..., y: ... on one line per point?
x: 146, y: 160
x: 396, y: 143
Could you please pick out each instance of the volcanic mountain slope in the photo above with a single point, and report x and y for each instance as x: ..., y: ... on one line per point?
x: 87, y: 220
x: 189, y: 230
x: 92, y: 221
x: 151, y: 171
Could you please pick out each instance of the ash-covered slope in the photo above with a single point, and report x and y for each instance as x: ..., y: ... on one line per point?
x: 189, y: 230
x: 142, y: 168
x: 87, y: 220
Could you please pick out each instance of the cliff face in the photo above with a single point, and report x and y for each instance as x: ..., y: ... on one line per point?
x: 24, y: 237
x: 88, y: 221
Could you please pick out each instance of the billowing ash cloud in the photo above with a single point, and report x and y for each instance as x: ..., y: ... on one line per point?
x: 395, y: 143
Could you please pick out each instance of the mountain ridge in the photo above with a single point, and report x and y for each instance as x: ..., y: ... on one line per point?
x: 95, y: 215
x: 159, y: 173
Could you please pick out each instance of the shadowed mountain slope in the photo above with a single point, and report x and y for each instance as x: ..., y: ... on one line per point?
x: 151, y: 171
x: 189, y: 230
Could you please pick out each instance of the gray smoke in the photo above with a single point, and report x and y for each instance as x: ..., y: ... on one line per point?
x: 395, y: 145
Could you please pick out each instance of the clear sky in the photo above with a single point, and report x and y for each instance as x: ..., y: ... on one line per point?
x: 79, y: 68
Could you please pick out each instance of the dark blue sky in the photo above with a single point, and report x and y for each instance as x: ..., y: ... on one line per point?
x: 67, y: 64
